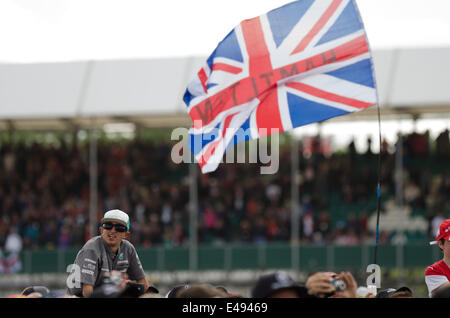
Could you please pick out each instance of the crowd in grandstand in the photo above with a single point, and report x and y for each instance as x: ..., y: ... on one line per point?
x: 44, y: 193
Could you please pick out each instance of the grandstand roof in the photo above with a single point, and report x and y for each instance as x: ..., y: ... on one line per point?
x: 149, y: 92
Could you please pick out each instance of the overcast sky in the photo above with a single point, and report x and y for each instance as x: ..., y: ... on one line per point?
x: 65, y: 30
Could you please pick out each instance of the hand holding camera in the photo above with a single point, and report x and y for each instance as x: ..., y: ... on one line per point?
x: 328, y: 284
x: 345, y: 286
x: 319, y: 284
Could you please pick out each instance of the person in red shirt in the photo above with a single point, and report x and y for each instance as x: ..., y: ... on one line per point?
x: 437, y: 276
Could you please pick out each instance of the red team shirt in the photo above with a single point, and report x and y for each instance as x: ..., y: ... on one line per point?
x: 436, y: 275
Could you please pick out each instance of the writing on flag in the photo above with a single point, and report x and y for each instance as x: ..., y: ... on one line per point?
x: 304, y: 62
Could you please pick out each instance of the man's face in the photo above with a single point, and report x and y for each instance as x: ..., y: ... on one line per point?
x: 445, y: 247
x: 112, y: 237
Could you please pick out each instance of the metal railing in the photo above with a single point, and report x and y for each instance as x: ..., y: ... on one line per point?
x: 251, y: 257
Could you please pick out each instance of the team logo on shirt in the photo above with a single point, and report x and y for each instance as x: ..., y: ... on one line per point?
x: 89, y: 266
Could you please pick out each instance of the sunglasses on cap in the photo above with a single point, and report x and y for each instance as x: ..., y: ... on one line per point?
x: 118, y: 227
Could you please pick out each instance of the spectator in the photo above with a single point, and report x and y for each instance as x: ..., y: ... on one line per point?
x: 41, y: 291
x: 319, y: 284
x: 443, y: 292
x: 201, y: 291
x: 437, y: 276
x: 363, y: 224
x: 436, y: 223
x: 273, y: 194
x: 277, y: 285
x: 443, y: 145
x: 307, y: 225
x: 49, y: 235
x: 329, y: 284
x: 64, y: 241
x: 260, y: 230
x: 324, y: 223
x: 172, y: 293
x: 13, y: 242
x: 31, y: 234
x: 402, y: 292
x: 10, y: 260
x: 245, y: 231
x: 101, y: 251
x: 412, y: 194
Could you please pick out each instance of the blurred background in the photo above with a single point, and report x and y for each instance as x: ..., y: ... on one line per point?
x: 88, y: 103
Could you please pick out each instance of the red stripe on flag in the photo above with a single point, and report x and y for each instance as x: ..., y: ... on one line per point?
x: 352, y: 48
x: 208, y: 153
x: 328, y: 96
x: 318, y: 26
x: 207, y: 110
x: 255, y: 44
x: 268, y: 114
x: 211, y: 148
x: 226, y: 68
x: 203, y: 78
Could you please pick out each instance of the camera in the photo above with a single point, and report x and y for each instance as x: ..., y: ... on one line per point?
x: 339, y: 284
x: 113, y: 277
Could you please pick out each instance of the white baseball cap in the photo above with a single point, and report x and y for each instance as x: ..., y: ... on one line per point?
x: 119, y: 216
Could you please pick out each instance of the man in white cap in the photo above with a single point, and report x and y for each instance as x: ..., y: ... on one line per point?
x: 106, y: 253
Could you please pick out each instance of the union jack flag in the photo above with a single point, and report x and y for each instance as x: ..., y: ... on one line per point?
x: 304, y: 62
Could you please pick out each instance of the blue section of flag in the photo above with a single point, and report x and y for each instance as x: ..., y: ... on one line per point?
x: 304, y: 111
x: 246, y: 127
x: 283, y: 19
x: 187, y: 97
x: 360, y: 73
x: 227, y: 48
x: 243, y: 134
x: 198, y: 141
x: 347, y: 23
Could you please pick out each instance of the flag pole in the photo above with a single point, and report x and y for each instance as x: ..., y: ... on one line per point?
x: 378, y: 189
x: 93, y: 179
x: 193, y: 216
x: 295, y: 205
